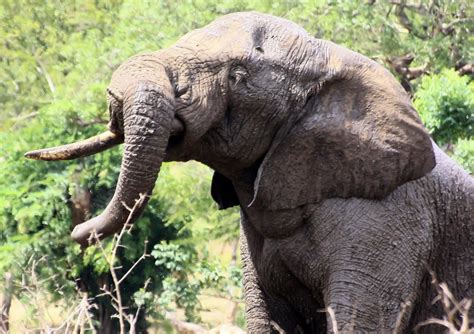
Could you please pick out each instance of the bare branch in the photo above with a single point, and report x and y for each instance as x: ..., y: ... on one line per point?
x: 143, y: 257
x: 42, y: 69
x: 456, y: 318
x: 420, y: 8
x: 133, y: 318
x: 448, y: 28
x: 116, y: 294
x: 398, y: 324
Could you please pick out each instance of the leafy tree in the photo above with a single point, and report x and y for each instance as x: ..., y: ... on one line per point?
x: 446, y: 103
x: 55, y: 62
x: 55, y: 73
x: 188, y: 275
x: 464, y: 154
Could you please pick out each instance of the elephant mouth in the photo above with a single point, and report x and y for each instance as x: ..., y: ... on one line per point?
x: 177, y: 127
x: 177, y: 134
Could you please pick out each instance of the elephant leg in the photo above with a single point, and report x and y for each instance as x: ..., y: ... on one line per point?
x: 353, y: 312
x: 375, y: 258
x: 265, y: 313
x: 379, y: 301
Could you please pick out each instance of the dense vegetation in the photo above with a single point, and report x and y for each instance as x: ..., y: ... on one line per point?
x: 56, y: 59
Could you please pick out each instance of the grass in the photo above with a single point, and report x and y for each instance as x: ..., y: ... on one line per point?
x: 216, y: 312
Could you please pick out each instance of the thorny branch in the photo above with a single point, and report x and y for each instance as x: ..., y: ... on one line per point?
x: 456, y: 313
x: 115, y: 293
x: 78, y: 316
x: 49, y: 80
x: 441, y: 25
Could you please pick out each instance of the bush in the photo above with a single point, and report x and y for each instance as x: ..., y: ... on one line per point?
x: 445, y: 102
x: 464, y: 154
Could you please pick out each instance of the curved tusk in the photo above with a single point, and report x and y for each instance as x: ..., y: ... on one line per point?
x: 80, y: 149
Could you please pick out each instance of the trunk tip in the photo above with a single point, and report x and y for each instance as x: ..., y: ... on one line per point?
x: 83, y: 235
x: 93, y: 230
x: 82, y: 240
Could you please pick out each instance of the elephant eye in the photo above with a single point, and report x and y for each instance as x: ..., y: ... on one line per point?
x: 180, y: 90
x: 238, y: 74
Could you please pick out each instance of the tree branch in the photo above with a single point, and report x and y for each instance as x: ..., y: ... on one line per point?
x: 448, y: 28
x: 405, y: 21
x: 42, y: 69
x: 418, y: 8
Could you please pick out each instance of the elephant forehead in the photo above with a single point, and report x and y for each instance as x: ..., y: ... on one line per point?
x: 239, y: 33
x: 147, y: 66
x: 219, y: 37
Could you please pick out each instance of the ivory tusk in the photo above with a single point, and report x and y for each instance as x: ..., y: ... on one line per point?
x: 80, y: 149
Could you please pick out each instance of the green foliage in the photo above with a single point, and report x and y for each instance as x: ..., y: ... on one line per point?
x: 191, y: 205
x: 56, y: 58
x: 55, y: 62
x: 188, y: 275
x: 446, y: 105
x: 464, y: 154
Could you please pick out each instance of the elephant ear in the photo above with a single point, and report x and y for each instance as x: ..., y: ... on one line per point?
x: 223, y: 192
x: 358, y: 136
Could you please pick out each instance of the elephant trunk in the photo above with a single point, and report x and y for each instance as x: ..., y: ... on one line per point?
x: 148, y: 119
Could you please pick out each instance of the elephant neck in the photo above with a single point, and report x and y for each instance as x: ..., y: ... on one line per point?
x: 269, y: 223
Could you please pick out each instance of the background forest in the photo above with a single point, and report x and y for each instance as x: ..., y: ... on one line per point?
x: 56, y: 59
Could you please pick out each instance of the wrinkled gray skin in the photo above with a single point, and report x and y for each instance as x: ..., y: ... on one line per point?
x: 327, y: 159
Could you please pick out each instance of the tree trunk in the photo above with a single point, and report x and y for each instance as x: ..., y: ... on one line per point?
x: 80, y: 202
x: 107, y: 324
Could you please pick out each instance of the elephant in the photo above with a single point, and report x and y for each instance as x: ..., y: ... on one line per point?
x: 347, y: 205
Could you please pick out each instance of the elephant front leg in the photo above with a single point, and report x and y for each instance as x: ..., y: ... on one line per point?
x: 256, y: 307
x: 375, y: 293
x: 264, y: 313
x: 356, y: 310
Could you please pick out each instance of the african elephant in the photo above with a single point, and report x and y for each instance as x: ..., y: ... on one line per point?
x: 345, y: 200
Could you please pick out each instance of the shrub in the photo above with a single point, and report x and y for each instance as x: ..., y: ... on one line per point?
x: 445, y: 102
x: 464, y: 154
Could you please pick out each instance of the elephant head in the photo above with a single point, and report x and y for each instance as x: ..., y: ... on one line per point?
x: 263, y: 103
x: 140, y: 98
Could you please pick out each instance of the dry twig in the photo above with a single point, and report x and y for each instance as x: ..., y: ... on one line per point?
x: 115, y: 294
x: 456, y: 313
